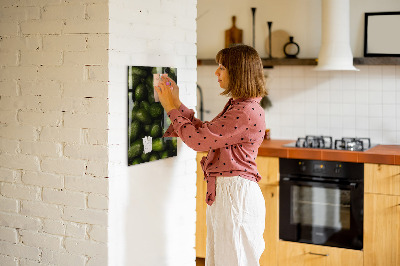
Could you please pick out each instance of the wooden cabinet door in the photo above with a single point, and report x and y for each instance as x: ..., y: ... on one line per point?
x: 382, y: 179
x: 381, y: 230
x: 268, y: 167
x: 201, y: 205
x: 299, y: 254
x: 271, y: 232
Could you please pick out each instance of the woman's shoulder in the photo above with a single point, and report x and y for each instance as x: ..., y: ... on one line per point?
x: 249, y: 104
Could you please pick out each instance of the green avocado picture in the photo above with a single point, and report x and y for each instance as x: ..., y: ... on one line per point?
x: 147, y: 120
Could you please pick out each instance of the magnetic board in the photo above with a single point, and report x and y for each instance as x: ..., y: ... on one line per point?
x: 147, y: 120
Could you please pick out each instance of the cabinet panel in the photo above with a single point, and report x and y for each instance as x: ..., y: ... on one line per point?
x: 382, y: 179
x: 271, y: 232
x: 299, y: 254
x: 381, y: 230
x: 268, y: 167
x: 201, y: 205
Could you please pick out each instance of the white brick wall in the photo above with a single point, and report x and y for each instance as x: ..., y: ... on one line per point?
x: 60, y: 138
x: 148, y: 201
x: 53, y: 132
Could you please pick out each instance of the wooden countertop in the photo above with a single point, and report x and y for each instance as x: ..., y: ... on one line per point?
x: 380, y: 154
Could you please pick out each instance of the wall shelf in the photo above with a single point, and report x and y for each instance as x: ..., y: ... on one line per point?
x: 377, y: 61
x: 269, y: 63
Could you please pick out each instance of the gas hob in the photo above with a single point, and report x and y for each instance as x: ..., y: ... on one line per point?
x: 327, y: 142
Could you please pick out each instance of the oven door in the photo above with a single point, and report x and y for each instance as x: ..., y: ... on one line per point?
x: 321, y: 212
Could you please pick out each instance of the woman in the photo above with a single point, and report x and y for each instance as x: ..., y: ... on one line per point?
x: 236, y: 211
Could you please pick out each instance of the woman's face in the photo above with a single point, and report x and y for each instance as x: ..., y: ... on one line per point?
x: 223, y: 76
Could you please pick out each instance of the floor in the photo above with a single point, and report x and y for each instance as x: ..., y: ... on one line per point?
x: 200, y: 262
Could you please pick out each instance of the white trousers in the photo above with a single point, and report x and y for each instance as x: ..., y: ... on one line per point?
x: 235, y: 223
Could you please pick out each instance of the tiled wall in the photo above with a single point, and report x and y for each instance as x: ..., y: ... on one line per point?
x: 337, y: 103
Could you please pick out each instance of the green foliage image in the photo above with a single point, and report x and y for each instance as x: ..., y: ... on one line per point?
x: 147, y: 118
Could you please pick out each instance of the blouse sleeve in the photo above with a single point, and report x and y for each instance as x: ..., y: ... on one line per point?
x: 230, y: 128
x: 187, y: 113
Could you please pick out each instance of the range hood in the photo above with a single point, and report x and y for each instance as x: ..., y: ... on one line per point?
x: 335, y: 52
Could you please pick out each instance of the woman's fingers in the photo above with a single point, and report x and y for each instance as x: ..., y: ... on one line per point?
x: 158, y: 90
x: 172, y: 82
x: 175, y: 90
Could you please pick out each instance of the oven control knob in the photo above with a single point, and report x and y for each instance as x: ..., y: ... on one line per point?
x: 302, y: 166
x: 338, y: 168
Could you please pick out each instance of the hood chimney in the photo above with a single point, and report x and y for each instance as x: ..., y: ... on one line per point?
x: 335, y: 52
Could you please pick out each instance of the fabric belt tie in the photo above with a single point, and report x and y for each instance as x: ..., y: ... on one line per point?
x: 210, y: 196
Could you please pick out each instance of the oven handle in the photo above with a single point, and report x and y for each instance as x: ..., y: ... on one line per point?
x: 310, y: 182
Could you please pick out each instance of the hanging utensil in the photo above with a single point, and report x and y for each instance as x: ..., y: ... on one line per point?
x: 253, y: 10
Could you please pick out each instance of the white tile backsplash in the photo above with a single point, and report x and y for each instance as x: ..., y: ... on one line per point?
x: 389, y: 110
x: 363, y: 103
x: 389, y: 97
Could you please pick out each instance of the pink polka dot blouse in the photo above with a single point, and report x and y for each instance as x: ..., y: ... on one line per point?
x: 232, y: 139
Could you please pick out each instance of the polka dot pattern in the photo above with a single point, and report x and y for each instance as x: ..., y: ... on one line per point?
x: 232, y: 139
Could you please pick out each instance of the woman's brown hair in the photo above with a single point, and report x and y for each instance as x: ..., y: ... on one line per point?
x: 245, y: 69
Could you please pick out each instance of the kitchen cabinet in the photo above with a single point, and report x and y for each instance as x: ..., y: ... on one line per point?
x: 268, y: 167
x: 269, y: 170
x: 271, y: 232
x: 201, y: 205
x: 381, y: 220
x: 382, y: 179
x: 382, y: 215
x: 300, y: 254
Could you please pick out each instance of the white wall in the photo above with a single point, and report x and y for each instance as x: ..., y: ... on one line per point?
x: 152, y: 205
x: 337, y: 103
x: 53, y: 133
x: 301, y: 19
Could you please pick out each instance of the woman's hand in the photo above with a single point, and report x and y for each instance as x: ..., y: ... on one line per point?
x: 165, y: 95
x: 175, y: 91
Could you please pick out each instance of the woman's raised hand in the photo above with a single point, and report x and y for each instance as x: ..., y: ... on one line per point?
x: 165, y: 94
x: 175, y: 91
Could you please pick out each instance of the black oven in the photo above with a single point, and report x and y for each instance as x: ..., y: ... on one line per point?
x: 321, y: 202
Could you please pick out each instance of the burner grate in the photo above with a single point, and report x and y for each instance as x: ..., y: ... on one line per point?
x: 353, y: 144
x: 326, y: 142
x: 322, y: 142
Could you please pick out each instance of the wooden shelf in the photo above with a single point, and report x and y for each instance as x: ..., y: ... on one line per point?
x: 269, y: 63
x: 377, y: 61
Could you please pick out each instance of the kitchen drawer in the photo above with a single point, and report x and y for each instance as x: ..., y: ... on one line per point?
x: 382, y: 179
x: 299, y: 254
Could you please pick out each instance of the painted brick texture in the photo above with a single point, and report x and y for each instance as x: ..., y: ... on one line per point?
x: 53, y: 132
x: 63, y: 132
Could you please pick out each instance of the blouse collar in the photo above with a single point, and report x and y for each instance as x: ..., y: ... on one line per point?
x: 255, y: 99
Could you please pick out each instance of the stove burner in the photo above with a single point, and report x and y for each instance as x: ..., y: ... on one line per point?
x: 353, y: 144
x: 324, y: 142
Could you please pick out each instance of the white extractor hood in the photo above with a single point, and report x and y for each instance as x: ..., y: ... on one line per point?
x: 335, y: 52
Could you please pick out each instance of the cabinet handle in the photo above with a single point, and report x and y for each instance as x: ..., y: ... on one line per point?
x: 318, y: 254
